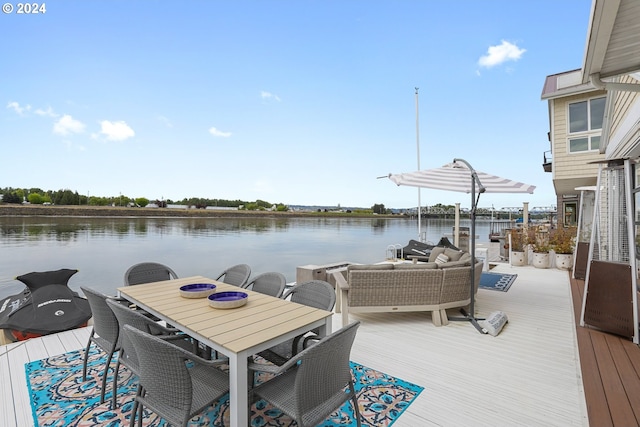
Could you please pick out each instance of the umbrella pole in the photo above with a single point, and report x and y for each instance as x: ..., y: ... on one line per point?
x: 474, y: 204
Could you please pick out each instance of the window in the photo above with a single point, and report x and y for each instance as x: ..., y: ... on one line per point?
x: 570, y: 214
x: 585, y: 124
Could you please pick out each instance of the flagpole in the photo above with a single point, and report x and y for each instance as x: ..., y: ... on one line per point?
x: 418, y: 156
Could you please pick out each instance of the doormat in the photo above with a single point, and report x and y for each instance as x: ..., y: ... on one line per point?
x: 59, y: 397
x: 496, y: 281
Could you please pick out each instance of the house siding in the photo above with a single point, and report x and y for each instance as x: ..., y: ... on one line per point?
x: 570, y: 166
x: 625, y: 129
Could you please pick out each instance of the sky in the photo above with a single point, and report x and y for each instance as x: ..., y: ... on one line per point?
x: 298, y: 102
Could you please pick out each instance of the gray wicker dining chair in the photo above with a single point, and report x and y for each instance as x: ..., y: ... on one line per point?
x: 127, y: 355
x: 314, y: 293
x: 174, y: 383
x: 237, y: 275
x: 314, y: 383
x: 270, y: 283
x: 105, y: 333
x: 147, y: 272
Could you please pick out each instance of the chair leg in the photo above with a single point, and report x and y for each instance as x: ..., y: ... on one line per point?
x: 140, y: 413
x: 134, y: 412
x: 104, y: 376
x: 86, y: 358
x: 354, y: 401
x: 115, y: 385
x: 136, y: 405
x: 296, y: 343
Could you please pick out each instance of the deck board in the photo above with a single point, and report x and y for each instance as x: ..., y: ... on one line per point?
x: 537, y: 351
x: 610, y: 372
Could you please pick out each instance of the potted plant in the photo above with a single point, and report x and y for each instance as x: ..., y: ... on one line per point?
x: 539, y: 241
x: 518, y: 244
x: 562, y: 242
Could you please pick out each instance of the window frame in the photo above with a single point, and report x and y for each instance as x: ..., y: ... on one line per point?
x: 590, y: 134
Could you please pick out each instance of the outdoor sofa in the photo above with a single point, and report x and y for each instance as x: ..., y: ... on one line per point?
x: 426, y: 286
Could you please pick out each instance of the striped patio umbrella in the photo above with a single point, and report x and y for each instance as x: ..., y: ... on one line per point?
x: 456, y: 176
x: 461, y: 177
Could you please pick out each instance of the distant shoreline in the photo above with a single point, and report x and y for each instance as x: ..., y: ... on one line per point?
x: 117, y: 211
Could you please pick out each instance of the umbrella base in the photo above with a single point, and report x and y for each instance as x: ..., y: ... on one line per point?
x: 469, y: 318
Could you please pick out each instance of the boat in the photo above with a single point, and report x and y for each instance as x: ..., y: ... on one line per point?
x: 415, y: 247
x: 47, y: 305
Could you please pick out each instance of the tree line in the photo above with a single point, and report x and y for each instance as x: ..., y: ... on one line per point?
x: 38, y: 196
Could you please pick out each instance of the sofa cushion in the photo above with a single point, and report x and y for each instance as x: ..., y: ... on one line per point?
x: 461, y: 263
x: 370, y: 267
x: 455, y: 264
x: 466, y: 257
x: 435, y: 252
x: 453, y: 254
x: 423, y: 266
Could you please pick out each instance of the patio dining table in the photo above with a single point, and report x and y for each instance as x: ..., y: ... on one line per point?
x: 238, y: 333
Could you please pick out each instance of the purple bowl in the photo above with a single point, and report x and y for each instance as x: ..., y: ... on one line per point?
x: 228, y: 299
x: 197, y: 290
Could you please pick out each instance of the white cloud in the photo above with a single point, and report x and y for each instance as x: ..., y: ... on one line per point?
x: 268, y: 95
x: 68, y: 125
x: 116, y: 131
x: 216, y: 132
x: 165, y: 121
x: 500, y: 54
x: 48, y: 112
x: 17, y: 108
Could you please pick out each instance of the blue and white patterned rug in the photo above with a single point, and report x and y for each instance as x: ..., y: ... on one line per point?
x: 59, y: 397
x: 496, y: 281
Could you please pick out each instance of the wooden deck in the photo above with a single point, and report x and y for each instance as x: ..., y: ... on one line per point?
x: 610, y: 372
x: 529, y: 375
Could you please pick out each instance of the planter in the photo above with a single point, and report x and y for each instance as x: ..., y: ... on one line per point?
x: 517, y: 258
x: 541, y: 259
x: 564, y: 261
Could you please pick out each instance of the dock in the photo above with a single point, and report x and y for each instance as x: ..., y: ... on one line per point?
x: 541, y: 370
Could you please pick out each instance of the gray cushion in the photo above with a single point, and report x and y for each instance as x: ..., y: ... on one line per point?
x: 454, y: 264
x: 424, y: 266
x: 466, y: 256
x: 453, y: 254
x: 370, y: 267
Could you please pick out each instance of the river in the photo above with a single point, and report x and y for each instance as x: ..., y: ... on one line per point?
x: 102, y: 249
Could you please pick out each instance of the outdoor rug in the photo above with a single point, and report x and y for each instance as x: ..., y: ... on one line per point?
x: 59, y: 397
x: 497, y: 281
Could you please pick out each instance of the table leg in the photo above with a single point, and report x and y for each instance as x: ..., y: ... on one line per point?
x: 238, y: 390
x: 325, y: 329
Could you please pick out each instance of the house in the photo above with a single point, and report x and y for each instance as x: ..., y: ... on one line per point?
x: 594, y: 111
x: 612, y: 64
x: 576, y: 112
x: 594, y: 121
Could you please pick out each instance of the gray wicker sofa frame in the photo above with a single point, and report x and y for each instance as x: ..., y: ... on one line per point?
x: 405, y: 287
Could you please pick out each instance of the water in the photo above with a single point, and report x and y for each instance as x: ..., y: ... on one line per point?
x: 102, y: 249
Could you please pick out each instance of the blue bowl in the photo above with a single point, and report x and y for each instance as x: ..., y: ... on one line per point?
x: 228, y: 299
x: 197, y: 290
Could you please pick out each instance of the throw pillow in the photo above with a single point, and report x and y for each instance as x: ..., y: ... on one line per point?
x: 435, y: 252
x: 494, y: 323
x: 441, y: 259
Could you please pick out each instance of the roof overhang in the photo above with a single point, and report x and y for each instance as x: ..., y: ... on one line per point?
x: 565, y: 84
x: 613, y: 40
